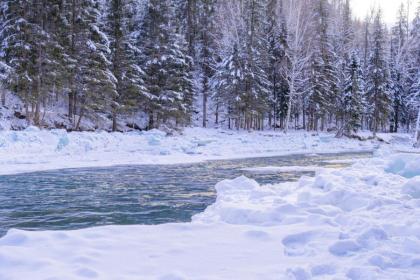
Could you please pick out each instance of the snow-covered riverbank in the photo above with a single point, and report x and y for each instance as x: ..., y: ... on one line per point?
x: 37, y: 150
x: 361, y: 222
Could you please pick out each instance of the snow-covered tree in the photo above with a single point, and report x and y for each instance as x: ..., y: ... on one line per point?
x: 278, y: 62
x: 399, y: 84
x: 414, y: 73
x: 377, y: 90
x: 32, y: 50
x: 227, y: 84
x: 166, y: 64
x: 207, y: 51
x: 352, y: 102
x: 324, y: 78
x: 96, y: 84
x: 298, y: 21
x: 124, y: 57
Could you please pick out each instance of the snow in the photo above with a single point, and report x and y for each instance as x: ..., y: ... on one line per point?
x: 360, y: 222
x: 405, y: 165
x: 412, y: 187
x: 35, y: 150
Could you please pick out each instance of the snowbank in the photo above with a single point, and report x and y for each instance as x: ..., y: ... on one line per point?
x: 361, y: 222
x: 36, y: 150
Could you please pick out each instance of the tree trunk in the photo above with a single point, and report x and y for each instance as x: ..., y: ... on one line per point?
x: 114, y: 121
x: 71, y: 93
x: 3, y: 98
x: 217, y: 114
x: 417, y: 134
x: 289, y: 107
x: 205, y: 105
x: 37, y: 114
x: 151, y: 121
x: 191, y: 26
x: 396, y: 120
x: 82, y: 113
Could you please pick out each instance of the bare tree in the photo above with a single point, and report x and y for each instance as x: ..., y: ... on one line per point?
x: 298, y: 21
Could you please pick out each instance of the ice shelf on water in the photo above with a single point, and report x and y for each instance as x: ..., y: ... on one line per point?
x: 360, y: 222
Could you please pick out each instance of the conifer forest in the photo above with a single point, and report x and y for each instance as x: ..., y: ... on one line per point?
x: 243, y: 64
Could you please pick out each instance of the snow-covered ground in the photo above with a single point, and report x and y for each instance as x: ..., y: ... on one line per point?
x: 35, y: 150
x: 360, y: 222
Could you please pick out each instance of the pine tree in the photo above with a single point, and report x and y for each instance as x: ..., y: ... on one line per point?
x: 130, y: 90
x: 352, y: 102
x: 95, y: 83
x: 207, y: 23
x: 167, y: 66
x: 378, y: 96
x: 31, y: 50
x: 255, y: 99
x: 278, y: 63
x: 153, y: 43
x: 178, y: 98
x: 399, y: 88
x: 344, y: 61
x: 227, y: 84
x: 324, y: 73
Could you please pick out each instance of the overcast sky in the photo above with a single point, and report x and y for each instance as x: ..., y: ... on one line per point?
x: 389, y: 8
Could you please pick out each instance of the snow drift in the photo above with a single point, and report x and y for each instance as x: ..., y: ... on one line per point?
x: 35, y: 150
x: 361, y: 222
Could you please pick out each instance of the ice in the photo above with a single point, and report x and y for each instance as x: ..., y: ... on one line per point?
x: 360, y: 222
x: 412, y: 187
x: 406, y: 165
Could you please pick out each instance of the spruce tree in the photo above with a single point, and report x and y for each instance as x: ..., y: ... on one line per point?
x: 130, y: 91
x: 398, y: 64
x: 343, y: 62
x: 167, y: 66
x: 352, y: 102
x: 324, y: 73
x: 228, y: 82
x: 256, y: 87
x: 96, y: 85
x: 278, y: 62
x: 377, y: 90
x: 32, y: 51
x: 207, y: 51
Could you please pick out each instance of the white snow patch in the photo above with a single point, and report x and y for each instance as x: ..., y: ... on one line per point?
x: 36, y: 150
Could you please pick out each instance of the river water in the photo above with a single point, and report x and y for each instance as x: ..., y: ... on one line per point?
x: 125, y: 195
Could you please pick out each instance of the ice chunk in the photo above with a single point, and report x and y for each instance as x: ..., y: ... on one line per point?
x: 406, y: 165
x: 412, y: 187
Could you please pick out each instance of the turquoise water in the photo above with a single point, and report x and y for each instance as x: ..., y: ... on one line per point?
x: 125, y: 195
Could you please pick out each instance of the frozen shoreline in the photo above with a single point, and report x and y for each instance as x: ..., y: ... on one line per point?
x: 359, y: 222
x: 40, y: 150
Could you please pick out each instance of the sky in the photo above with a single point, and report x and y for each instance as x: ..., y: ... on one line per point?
x: 389, y: 8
